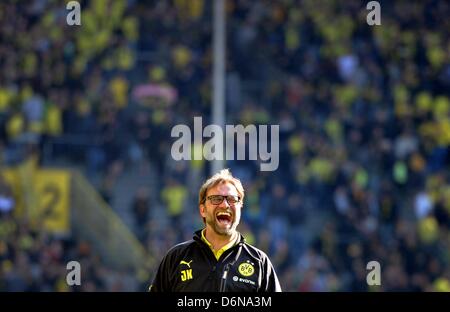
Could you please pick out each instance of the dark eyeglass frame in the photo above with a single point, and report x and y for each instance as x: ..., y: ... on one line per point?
x: 231, y: 199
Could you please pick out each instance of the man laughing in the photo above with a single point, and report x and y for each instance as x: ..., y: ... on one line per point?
x: 217, y: 258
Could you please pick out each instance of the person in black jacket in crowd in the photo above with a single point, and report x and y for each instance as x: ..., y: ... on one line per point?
x: 218, y: 257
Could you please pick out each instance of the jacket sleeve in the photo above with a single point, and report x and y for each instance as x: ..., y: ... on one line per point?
x: 270, y: 282
x: 161, y: 281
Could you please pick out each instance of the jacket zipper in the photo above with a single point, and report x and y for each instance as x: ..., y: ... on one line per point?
x: 223, y: 279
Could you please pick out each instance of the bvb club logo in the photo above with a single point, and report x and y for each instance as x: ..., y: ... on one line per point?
x: 246, y: 269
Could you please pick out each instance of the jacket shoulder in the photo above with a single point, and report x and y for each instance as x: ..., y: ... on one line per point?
x: 180, y: 248
x: 255, y: 252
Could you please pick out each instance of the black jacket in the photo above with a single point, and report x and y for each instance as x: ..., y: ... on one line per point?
x: 192, y: 266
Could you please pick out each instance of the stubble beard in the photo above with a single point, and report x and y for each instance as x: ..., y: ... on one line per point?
x: 228, y: 232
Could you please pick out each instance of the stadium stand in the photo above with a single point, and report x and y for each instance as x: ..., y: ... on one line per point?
x: 364, y: 115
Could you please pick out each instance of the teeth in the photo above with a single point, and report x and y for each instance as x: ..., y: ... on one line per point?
x: 224, y: 214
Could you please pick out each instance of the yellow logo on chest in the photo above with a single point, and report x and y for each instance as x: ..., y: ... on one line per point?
x: 246, y: 269
x: 186, y: 275
x: 187, y: 263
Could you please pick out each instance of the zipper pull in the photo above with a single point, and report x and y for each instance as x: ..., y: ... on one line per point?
x: 225, y: 273
x: 224, y: 278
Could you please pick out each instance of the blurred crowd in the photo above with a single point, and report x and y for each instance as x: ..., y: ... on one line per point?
x: 364, y: 115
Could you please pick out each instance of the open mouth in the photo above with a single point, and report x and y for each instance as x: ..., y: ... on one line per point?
x: 224, y: 218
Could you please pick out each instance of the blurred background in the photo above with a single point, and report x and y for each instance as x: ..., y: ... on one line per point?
x: 364, y: 114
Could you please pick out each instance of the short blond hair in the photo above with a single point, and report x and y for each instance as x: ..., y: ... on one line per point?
x: 220, y: 177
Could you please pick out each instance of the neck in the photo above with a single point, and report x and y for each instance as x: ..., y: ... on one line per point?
x: 216, y: 240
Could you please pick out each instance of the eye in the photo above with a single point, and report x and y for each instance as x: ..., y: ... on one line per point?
x: 231, y: 199
x: 216, y: 199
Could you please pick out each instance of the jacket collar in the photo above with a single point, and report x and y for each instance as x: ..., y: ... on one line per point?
x: 198, y: 237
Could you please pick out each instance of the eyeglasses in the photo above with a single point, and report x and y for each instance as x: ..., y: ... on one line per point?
x: 218, y: 199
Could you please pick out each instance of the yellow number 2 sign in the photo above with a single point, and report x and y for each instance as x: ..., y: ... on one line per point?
x: 52, y: 194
